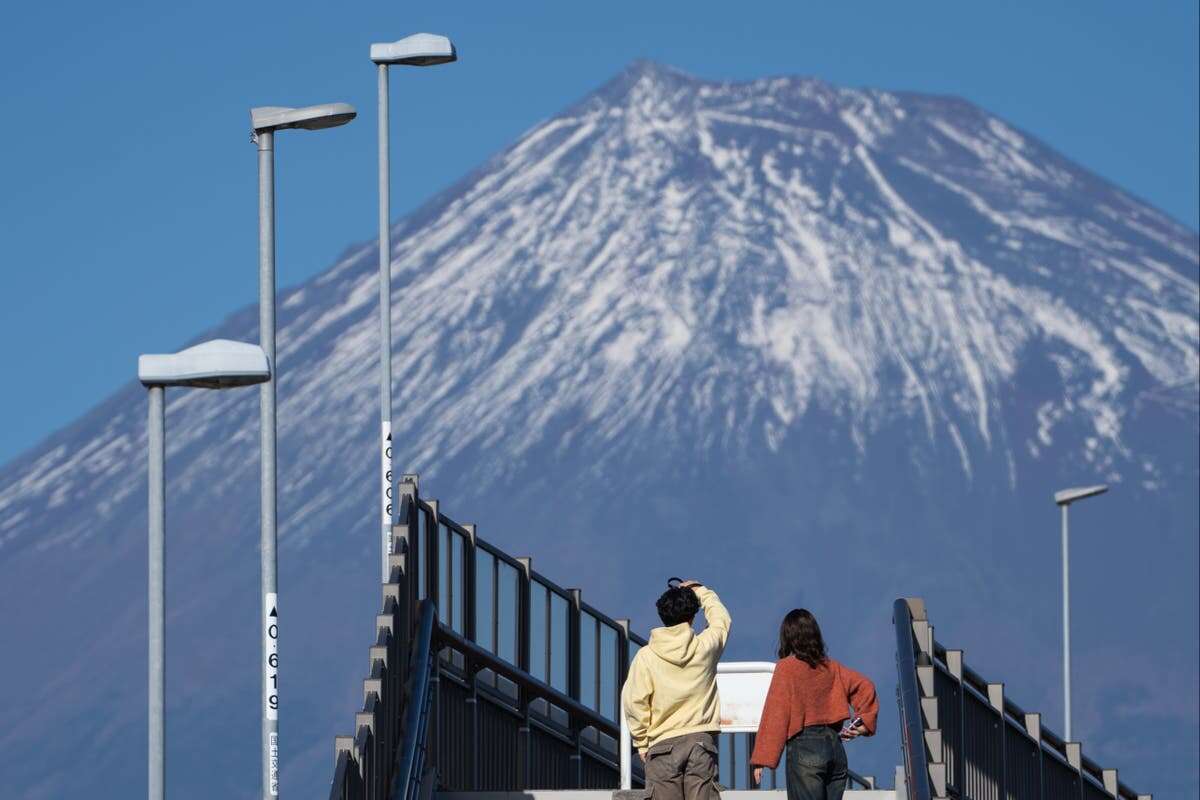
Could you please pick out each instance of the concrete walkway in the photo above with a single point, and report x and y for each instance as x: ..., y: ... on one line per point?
x: 602, y: 794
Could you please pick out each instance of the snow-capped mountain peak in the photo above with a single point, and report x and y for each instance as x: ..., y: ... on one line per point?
x: 779, y: 286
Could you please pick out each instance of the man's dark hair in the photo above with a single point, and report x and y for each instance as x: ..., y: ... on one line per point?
x: 800, y: 636
x: 677, y: 605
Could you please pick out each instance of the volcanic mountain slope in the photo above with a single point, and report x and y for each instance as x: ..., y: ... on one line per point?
x: 818, y: 345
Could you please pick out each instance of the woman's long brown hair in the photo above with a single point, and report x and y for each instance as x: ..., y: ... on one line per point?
x: 800, y: 636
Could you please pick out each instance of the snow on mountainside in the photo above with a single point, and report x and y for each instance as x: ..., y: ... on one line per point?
x: 673, y: 272
x: 707, y: 261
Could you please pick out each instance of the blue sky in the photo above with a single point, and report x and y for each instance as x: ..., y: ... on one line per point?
x: 127, y: 214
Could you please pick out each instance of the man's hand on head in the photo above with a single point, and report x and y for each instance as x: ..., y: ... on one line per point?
x: 690, y: 584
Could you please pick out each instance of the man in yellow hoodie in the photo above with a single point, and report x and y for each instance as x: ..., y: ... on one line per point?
x: 670, y: 697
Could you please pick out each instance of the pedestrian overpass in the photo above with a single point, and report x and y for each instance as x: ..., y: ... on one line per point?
x: 491, y: 681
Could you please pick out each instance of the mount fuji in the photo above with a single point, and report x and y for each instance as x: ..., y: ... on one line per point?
x: 813, y: 345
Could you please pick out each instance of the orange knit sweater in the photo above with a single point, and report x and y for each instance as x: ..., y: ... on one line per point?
x: 801, y: 696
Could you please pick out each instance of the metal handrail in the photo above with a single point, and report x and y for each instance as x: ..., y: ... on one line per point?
x: 854, y: 779
x: 465, y: 642
x: 1049, y: 738
x: 393, y: 752
x: 410, y: 756
x: 438, y: 558
x: 931, y: 708
x: 500, y: 555
x: 908, y: 697
x: 584, y: 716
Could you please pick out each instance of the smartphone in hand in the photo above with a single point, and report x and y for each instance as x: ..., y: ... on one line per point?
x: 852, y: 724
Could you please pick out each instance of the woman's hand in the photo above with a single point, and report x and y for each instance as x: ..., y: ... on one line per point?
x: 689, y: 584
x: 854, y: 733
x: 757, y: 775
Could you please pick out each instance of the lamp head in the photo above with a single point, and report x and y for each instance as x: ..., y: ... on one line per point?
x: 311, y: 118
x: 418, y: 50
x: 217, y: 364
x: 1068, y: 496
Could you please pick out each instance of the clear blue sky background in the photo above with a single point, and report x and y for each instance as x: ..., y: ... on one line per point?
x: 127, y: 181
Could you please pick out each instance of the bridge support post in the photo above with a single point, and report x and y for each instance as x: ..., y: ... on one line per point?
x: 1033, y: 726
x: 576, y: 776
x: 573, y: 683
x: 624, y: 746
x: 1074, y: 751
x: 470, y: 668
x: 523, y: 731
x: 524, y: 778
x: 433, y: 580
x: 996, y: 699
x: 472, y: 729
x: 433, y: 546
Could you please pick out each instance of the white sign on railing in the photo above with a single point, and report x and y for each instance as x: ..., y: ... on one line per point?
x: 742, y: 689
x: 742, y: 686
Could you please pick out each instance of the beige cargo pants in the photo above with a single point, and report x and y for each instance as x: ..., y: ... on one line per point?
x: 683, y: 768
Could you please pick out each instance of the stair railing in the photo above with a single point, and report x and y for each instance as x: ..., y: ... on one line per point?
x: 523, y: 683
x: 908, y: 697
x: 964, y: 738
x: 365, y: 761
x: 410, y: 757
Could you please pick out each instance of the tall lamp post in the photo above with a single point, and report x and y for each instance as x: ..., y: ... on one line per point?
x: 219, y: 364
x: 264, y: 121
x: 418, y: 50
x: 1064, y: 500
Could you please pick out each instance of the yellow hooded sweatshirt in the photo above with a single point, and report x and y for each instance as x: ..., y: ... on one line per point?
x: 672, y: 685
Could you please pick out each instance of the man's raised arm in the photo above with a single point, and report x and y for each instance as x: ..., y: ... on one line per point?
x: 715, y: 614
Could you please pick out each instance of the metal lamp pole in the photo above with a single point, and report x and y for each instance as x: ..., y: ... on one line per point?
x: 1066, y: 615
x: 1064, y: 500
x: 264, y: 122
x: 218, y: 364
x: 385, y: 325
x: 156, y: 584
x: 268, y: 464
x: 418, y: 50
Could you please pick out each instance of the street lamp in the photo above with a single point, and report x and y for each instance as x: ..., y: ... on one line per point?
x: 1064, y: 500
x: 418, y: 50
x: 219, y: 364
x: 264, y: 121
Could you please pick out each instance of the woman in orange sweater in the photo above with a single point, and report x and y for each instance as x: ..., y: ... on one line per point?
x: 806, y: 707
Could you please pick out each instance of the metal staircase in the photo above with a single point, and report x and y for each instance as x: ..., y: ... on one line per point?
x: 489, y: 681
x: 488, y: 678
x: 963, y: 738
